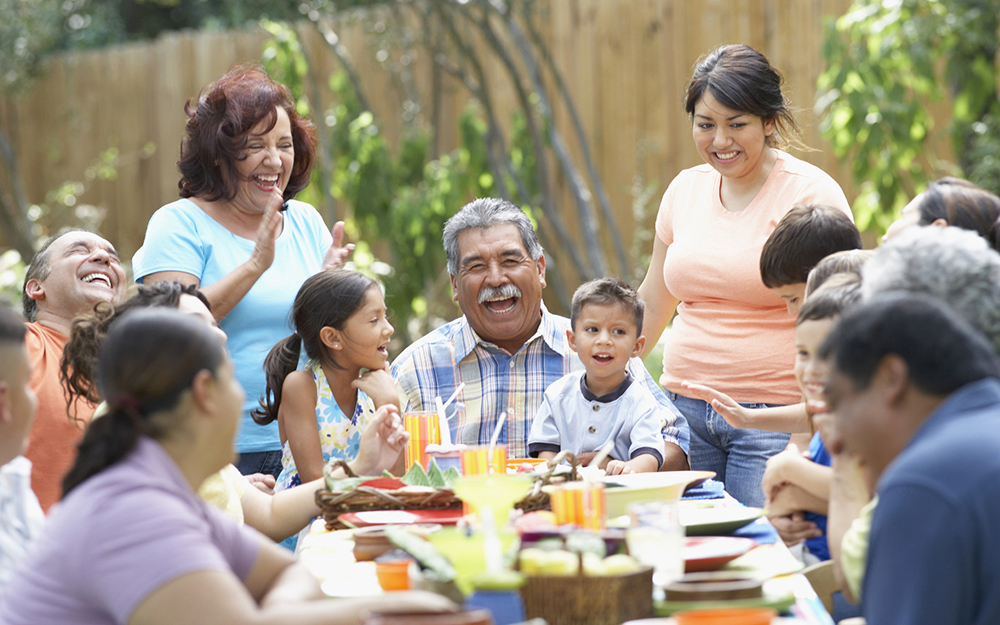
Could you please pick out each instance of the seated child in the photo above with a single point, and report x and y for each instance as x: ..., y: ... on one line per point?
x: 21, y: 516
x: 794, y: 482
x: 583, y: 411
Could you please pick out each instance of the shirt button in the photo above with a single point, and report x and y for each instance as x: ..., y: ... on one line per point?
x: 596, y: 407
x: 511, y: 364
x: 591, y: 429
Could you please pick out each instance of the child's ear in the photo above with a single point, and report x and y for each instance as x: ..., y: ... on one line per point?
x: 571, y: 338
x: 639, y: 344
x: 330, y: 337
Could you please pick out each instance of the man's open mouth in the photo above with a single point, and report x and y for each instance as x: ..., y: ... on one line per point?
x: 98, y: 277
x: 501, y: 306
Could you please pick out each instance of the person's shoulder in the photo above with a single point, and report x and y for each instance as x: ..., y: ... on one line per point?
x: 302, y: 212
x: 793, y: 166
x: 699, y: 174
x: 183, y: 210
x: 566, y: 386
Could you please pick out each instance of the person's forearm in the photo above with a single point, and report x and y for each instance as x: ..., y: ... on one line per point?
x: 225, y: 294
x: 791, y: 418
x: 848, y: 495
x: 280, y: 515
x: 791, y: 498
x: 674, y: 458
x: 644, y: 463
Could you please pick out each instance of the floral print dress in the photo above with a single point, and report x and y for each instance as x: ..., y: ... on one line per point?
x: 339, y: 435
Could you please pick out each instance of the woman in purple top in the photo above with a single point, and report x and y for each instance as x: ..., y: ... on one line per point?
x: 131, y: 542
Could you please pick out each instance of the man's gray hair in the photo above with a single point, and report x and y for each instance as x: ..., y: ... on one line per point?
x: 954, y: 265
x: 485, y: 213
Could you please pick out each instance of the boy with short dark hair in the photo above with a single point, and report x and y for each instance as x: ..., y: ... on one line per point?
x: 584, y: 410
x: 21, y: 516
x: 805, y: 235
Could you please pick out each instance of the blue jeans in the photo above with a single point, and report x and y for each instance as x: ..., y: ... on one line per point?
x: 260, y: 462
x: 737, y: 455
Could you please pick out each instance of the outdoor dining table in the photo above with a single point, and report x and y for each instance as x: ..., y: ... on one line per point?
x: 329, y: 555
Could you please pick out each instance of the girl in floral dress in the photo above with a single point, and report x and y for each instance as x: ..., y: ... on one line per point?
x: 323, y: 408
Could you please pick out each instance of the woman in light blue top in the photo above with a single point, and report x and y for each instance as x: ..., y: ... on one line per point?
x: 238, y: 234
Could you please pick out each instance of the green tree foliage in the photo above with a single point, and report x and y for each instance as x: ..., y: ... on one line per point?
x: 399, y: 198
x: 888, y: 62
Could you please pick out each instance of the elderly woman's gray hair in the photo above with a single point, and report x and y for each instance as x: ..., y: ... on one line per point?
x: 484, y: 213
x: 955, y: 265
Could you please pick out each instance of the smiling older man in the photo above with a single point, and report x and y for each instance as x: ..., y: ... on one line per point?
x: 506, y: 348
x: 70, y: 274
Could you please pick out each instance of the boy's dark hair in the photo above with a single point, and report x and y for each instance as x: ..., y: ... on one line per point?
x: 840, y: 293
x: 804, y: 236
x: 11, y: 327
x: 942, y: 351
x: 608, y: 291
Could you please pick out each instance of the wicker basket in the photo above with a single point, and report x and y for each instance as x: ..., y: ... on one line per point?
x: 363, y: 498
x: 538, y: 499
x: 583, y: 600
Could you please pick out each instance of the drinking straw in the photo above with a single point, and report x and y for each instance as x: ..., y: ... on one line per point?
x: 455, y: 394
x: 443, y: 423
x: 496, y: 434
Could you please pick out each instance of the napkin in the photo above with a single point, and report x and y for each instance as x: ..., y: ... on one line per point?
x: 709, y: 489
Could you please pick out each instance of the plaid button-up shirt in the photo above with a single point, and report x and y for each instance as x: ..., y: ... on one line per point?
x: 495, y: 381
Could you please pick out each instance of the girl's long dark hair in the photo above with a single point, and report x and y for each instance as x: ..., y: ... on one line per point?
x: 328, y: 298
x: 79, y: 361
x: 146, y: 363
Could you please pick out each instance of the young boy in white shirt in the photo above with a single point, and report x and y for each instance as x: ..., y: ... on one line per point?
x: 584, y: 410
x: 21, y: 516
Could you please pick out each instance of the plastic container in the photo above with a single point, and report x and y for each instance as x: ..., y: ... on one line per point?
x: 726, y: 616
x: 393, y: 575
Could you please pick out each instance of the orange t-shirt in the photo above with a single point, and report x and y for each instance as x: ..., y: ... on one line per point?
x: 731, y: 332
x: 56, y: 431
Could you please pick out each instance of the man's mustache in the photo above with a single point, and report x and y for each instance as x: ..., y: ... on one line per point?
x: 506, y: 291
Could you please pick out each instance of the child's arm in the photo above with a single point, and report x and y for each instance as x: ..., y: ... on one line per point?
x: 280, y: 515
x: 792, y: 498
x: 382, y: 443
x: 643, y: 463
x: 791, y: 467
x: 792, y: 418
x: 379, y: 386
x: 547, y: 455
x: 297, y: 418
x: 848, y: 495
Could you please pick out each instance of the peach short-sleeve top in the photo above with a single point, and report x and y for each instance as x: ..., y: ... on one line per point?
x: 731, y: 332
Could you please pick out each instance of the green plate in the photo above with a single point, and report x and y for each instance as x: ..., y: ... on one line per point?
x: 779, y: 603
x: 717, y: 521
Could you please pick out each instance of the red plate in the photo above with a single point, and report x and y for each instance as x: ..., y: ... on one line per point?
x: 400, y: 517
x: 707, y: 553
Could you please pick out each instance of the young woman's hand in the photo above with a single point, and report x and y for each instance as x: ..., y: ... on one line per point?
x: 382, y: 442
x: 379, y: 386
x: 338, y: 253
x: 734, y: 414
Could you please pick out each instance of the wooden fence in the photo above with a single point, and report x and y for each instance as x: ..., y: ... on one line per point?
x: 626, y: 63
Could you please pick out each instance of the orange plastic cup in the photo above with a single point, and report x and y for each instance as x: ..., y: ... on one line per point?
x: 476, y: 460
x: 579, y: 503
x: 424, y: 429
x: 726, y: 616
x: 393, y: 575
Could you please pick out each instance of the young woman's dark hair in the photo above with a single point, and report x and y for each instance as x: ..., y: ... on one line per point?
x: 146, y: 364
x: 327, y: 299
x: 79, y: 362
x: 961, y: 204
x: 742, y: 79
x: 219, y: 125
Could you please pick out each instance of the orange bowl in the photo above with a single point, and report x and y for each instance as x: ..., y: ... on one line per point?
x: 516, y: 463
x: 393, y: 575
x: 726, y: 616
